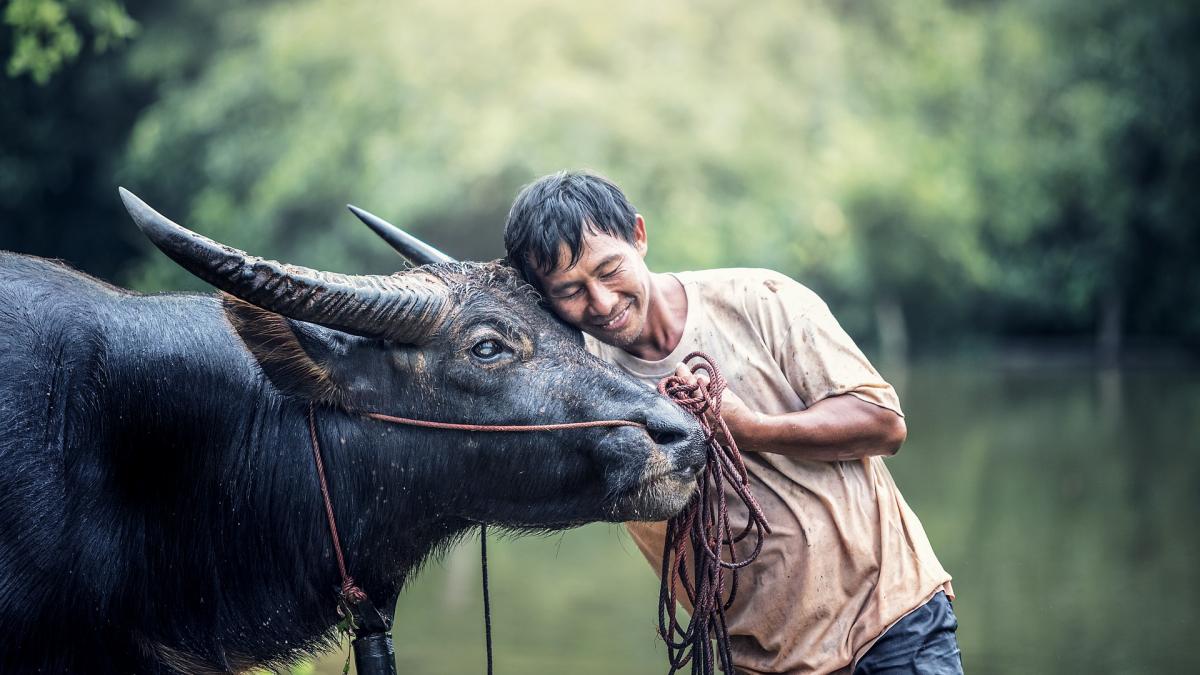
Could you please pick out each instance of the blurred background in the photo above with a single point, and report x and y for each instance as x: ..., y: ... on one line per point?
x: 998, y: 200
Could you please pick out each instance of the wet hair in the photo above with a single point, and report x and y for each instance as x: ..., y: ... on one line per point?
x: 554, y: 210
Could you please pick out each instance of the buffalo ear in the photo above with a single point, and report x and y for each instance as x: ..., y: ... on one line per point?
x: 292, y: 354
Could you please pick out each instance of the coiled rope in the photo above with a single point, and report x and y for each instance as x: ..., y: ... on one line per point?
x: 703, y: 527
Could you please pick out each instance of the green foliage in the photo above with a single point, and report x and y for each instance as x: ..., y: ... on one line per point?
x: 979, y: 168
x: 47, y: 33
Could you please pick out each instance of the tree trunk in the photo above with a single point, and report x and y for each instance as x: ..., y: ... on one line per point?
x: 893, y: 331
x: 1108, y: 331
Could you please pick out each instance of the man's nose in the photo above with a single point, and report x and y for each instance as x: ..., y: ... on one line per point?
x: 602, y: 299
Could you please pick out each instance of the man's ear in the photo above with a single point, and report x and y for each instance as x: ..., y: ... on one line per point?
x: 292, y: 354
x: 639, y: 234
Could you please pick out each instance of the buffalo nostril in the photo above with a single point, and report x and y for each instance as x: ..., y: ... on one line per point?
x: 667, y: 437
x: 682, y: 446
x: 669, y: 430
x: 679, y: 437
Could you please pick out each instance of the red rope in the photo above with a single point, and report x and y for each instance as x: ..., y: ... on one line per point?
x: 501, y: 427
x: 704, y: 524
x: 350, y: 591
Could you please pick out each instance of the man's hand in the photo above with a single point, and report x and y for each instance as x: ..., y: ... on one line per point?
x: 738, y: 417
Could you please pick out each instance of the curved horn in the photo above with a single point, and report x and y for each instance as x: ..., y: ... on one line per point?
x: 402, y: 307
x: 415, y: 250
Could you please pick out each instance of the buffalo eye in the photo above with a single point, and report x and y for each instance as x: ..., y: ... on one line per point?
x: 487, y: 350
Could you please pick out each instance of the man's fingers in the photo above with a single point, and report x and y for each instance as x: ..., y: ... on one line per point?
x: 682, y: 371
x: 700, y: 379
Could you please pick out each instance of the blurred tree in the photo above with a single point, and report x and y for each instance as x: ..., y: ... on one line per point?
x: 439, y: 132
x: 911, y: 206
x: 47, y: 33
x: 937, y: 169
x: 63, y: 140
x: 1052, y: 140
x: 1081, y: 160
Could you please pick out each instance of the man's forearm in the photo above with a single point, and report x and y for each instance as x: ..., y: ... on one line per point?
x: 833, y: 429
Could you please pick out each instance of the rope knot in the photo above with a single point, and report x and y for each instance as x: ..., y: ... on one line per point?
x: 351, y: 594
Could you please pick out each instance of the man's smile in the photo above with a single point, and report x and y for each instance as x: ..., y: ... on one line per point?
x: 619, y: 321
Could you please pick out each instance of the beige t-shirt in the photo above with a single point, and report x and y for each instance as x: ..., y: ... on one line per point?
x: 847, y: 557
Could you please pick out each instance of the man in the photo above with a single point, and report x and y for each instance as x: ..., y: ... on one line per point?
x: 848, y: 579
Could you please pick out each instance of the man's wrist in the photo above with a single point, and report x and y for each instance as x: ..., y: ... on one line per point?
x: 754, y: 431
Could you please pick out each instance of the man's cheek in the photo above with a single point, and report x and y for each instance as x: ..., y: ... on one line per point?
x: 567, y: 313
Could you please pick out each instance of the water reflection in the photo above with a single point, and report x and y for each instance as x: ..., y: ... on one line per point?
x: 1063, y: 501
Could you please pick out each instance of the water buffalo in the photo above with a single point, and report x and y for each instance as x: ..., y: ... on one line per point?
x: 159, y: 506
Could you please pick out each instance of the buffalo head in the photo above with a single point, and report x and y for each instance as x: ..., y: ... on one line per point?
x: 452, y: 342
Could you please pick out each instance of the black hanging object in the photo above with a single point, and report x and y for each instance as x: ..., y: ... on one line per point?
x: 373, y: 652
x: 487, y: 600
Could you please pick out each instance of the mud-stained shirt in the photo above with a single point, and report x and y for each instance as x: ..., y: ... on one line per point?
x: 847, y: 557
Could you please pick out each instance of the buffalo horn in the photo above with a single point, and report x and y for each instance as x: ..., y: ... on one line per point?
x: 403, y: 307
x: 415, y: 250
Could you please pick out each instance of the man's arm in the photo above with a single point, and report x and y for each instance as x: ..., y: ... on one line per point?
x: 832, y: 429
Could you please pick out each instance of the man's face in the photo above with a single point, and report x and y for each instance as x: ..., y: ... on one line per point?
x: 605, y: 294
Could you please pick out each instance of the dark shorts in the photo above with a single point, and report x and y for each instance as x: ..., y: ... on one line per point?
x: 922, y: 642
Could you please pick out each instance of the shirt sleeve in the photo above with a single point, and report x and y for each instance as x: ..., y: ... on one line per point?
x: 820, y: 360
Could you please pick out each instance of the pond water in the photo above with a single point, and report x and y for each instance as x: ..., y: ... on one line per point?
x: 1064, y: 501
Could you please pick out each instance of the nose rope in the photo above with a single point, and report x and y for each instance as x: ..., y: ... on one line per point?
x: 704, y: 524
x: 455, y: 426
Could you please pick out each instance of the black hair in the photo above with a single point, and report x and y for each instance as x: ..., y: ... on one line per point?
x: 554, y: 210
